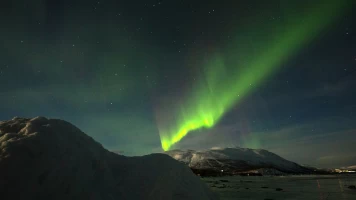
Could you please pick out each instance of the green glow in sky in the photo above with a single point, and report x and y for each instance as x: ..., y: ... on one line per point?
x: 228, y: 77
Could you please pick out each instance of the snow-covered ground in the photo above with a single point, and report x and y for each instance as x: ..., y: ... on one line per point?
x: 52, y: 159
x: 327, y: 187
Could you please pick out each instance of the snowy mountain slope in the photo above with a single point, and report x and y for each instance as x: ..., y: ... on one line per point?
x: 353, y: 167
x: 52, y: 159
x: 235, y: 159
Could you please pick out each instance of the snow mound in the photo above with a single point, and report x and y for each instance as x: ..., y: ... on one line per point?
x: 52, y: 159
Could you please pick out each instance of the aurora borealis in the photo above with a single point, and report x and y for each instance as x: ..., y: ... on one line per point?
x: 220, y: 90
x: 147, y: 76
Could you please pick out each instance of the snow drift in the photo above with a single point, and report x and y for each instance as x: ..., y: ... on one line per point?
x: 52, y: 159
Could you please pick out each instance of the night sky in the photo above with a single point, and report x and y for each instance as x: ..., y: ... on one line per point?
x: 140, y: 76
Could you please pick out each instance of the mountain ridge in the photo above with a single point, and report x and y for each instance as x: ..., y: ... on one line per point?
x: 235, y: 160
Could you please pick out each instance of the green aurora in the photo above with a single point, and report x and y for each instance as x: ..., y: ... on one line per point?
x: 246, y: 63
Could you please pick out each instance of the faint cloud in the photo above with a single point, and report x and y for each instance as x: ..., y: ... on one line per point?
x: 339, y: 160
x: 326, y: 89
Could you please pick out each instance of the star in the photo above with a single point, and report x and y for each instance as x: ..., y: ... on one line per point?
x: 200, y: 67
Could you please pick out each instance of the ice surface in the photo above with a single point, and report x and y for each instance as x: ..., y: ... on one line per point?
x: 327, y: 187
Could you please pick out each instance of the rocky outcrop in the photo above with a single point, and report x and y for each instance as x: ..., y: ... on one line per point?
x: 52, y: 159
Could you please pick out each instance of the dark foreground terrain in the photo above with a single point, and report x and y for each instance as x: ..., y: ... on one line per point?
x: 311, y: 187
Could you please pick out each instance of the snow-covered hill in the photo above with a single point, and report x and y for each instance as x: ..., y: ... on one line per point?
x: 236, y: 160
x: 52, y: 159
